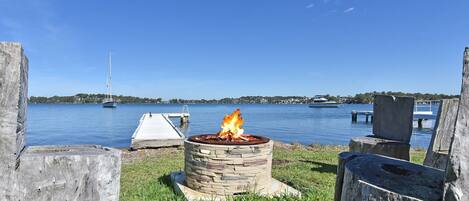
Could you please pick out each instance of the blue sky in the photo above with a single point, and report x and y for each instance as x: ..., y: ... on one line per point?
x: 214, y: 49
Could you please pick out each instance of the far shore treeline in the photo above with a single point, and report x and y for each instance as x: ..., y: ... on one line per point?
x: 90, y: 98
x: 358, y: 98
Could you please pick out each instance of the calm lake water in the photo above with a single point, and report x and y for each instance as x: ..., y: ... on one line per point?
x: 92, y: 124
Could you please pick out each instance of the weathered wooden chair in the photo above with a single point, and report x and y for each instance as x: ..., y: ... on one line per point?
x: 374, y: 177
x: 392, y: 128
x: 78, y: 172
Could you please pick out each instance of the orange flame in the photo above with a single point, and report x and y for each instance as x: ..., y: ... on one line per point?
x: 231, y: 127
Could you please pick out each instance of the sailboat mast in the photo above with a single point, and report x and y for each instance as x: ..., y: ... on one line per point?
x: 110, y: 76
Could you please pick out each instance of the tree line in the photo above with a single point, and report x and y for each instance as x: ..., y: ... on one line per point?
x: 358, y: 98
x: 368, y: 97
x: 91, y: 98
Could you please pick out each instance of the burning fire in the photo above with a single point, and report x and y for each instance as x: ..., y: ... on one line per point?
x: 231, y: 127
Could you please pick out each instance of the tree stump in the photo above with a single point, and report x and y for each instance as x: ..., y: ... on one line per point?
x: 385, y: 147
x: 344, y: 157
x: 373, y: 177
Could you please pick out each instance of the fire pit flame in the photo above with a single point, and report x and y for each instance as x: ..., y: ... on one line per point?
x: 231, y: 128
x: 231, y: 133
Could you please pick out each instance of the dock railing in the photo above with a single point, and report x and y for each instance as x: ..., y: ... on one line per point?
x: 423, y: 107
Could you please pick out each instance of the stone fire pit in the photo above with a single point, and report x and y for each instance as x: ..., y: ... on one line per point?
x: 215, y: 169
x: 228, y: 163
x: 227, y: 169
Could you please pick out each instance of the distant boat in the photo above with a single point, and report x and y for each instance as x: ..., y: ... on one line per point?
x: 109, y: 102
x: 320, y: 102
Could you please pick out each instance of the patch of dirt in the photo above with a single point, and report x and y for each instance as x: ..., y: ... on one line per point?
x: 141, y: 154
x: 315, y: 147
x: 280, y: 162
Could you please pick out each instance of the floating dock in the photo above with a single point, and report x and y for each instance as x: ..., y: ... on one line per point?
x: 156, y: 130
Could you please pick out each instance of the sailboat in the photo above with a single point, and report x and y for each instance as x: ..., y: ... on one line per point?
x: 109, y: 102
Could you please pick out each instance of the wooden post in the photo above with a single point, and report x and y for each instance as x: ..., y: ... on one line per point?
x: 184, y: 119
x: 437, y: 152
x: 13, y: 104
x: 354, y: 116
x: 457, y: 171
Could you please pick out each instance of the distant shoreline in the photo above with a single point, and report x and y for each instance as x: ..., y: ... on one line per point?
x: 65, y: 103
x: 363, y: 98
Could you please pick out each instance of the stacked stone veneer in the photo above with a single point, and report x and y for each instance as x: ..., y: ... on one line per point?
x: 228, y: 169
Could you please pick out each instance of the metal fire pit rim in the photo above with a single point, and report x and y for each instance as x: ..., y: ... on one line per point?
x: 262, y: 140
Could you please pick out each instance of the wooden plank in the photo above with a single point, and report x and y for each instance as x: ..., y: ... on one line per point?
x: 437, y: 152
x: 393, y: 117
x: 13, y: 104
x: 13, y: 98
x: 457, y: 172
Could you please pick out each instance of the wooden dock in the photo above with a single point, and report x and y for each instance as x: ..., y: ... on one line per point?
x: 367, y: 115
x: 156, y: 130
x: 419, y: 116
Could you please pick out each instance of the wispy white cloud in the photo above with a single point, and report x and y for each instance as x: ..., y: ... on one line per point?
x: 310, y: 5
x: 349, y: 9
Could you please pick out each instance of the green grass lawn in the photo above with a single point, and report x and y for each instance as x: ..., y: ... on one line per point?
x: 312, y: 170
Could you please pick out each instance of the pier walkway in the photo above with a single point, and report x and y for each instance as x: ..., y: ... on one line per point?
x: 156, y: 130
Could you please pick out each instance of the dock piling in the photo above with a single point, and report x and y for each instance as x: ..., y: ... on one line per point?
x: 368, y: 116
x: 184, y: 119
x: 354, y: 116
